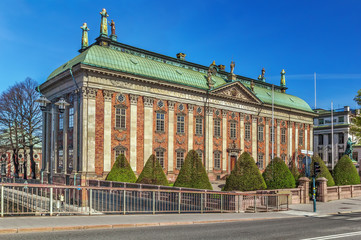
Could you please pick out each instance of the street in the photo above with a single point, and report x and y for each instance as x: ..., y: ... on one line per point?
x: 322, y: 227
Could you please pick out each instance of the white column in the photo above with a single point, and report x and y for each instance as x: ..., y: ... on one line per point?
x: 306, y: 135
x: 91, y: 130
x: 133, y: 132
x: 209, y: 139
x: 267, y: 141
x: 190, y: 127
x: 242, y: 131
x: 84, y: 130
x: 75, y: 132
x: 311, y: 138
x: 224, y: 140
x: 148, y: 128
x: 289, y: 140
x: 107, y: 160
x: 170, y: 136
x: 296, y: 143
x: 254, y: 138
x: 278, y: 138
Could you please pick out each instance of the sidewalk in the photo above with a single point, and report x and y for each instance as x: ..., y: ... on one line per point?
x: 66, y: 223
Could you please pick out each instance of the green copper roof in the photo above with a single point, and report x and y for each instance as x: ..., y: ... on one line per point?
x: 104, y: 57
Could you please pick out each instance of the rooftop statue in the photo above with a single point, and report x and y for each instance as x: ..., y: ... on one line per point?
x: 84, y: 37
x: 112, y: 25
x: 232, y: 66
x: 349, y: 147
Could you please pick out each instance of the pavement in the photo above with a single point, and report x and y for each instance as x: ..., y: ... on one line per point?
x: 10, y: 225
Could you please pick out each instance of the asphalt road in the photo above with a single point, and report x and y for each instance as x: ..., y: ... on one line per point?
x: 288, y: 228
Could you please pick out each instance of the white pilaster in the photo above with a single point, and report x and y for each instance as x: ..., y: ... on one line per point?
x: 306, y: 135
x: 296, y: 143
x: 289, y: 140
x: 278, y: 139
x: 254, y: 138
x: 267, y: 141
x: 91, y: 130
x: 190, y: 127
x: 107, y: 160
x: 311, y: 138
x: 209, y: 139
x: 170, y: 136
x: 133, y: 132
x: 148, y: 128
x: 242, y: 131
x: 84, y: 130
x: 224, y: 140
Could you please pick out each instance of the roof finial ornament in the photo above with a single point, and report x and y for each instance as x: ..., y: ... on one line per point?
x: 104, y: 23
x: 212, y: 70
x: 262, y: 75
x: 113, y: 36
x: 283, y: 81
x: 84, y: 36
x: 232, y: 76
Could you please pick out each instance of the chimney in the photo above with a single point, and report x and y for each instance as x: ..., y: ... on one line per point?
x: 181, y: 56
x: 221, y: 67
x: 346, y: 108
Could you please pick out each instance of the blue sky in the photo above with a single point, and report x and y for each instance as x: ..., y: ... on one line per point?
x: 303, y: 37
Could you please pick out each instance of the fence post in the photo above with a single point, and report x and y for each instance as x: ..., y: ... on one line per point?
x: 266, y: 203
x: 124, y: 201
x: 277, y: 202
x: 51, y: 202
x: 254, y: 203
x: 179, y: 202
x: 2, y: 200
x: 153, y: 202
x: 287, y: 201
x: 238, y: 204
x: 221, y: 203
x: 90, y: 201
x: 202, y: 199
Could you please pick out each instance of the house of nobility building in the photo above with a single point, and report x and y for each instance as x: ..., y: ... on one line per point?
x: 132, y: 101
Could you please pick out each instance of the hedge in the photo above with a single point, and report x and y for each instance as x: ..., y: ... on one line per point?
x: 121, y: 171
x: 153, y: 173
x: 193, y: 174
x: 278, y: 176
x: 245, y: 176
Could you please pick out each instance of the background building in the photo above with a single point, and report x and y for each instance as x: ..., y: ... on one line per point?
x: 341, y: 132
x: 132, y: 101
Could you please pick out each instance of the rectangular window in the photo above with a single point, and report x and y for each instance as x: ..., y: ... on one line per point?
x: 320, y: 139
x: 321, y: 121
x: 283, y: 135
x: 180, y: 124
x: 233, y: 130
x: 199, y: 126
x: 217, y: 160
x: 200, y: 155
x: 260, y: 133
x: 355, y: 156
x: 321, y: 155
x: 272, y: 134
x: 330, y: 158
x: 61, y: 158
x: 260, y: 161
x: 300, y: 137
x: 160, y: 122
x: 70, y: 158
x: 61, y: 122
x: 160, y: 156
x: 120, y: 117
x: 341, y: 138
x: 341, y: 119
x: 247, y: 131
x: 118, y: 152
x: 300, y: 164
x: 180, y: 159
x: 217, y: 128
x: 71, y: 117
x: 283, y: 157
x: 329, y: 138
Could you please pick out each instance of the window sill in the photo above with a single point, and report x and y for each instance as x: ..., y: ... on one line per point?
x: 181, y: 134
x: 198, y: 135
x: 159, y: 132
x: 120, y: 129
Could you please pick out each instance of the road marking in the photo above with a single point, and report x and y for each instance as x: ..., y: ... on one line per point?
x: 354, y: 219
x: 300, y: 213
x: 335, y: 236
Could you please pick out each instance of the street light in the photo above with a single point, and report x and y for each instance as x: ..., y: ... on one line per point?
x: 62, y: 104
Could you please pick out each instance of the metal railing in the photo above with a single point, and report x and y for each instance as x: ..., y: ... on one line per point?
x: 35, y: 199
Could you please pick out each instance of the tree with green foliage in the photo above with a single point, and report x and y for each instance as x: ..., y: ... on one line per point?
x: 193, y: 174
x: 121, y: 171
x: 323, y: 171
x: 345, y: 173
x: 356, y: 120
x: 153, y: 173
x: 245, y: 176
x: 296, y: 174
x: 278, y: 176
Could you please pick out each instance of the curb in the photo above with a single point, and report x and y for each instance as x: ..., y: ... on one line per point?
x: 131, y: 225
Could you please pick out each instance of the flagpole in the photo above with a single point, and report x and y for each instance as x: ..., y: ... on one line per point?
x: 273, y: 134
x: 314, y: 77
x: 332, y: 134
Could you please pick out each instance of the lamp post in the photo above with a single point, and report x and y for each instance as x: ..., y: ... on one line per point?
x: 61, y: 104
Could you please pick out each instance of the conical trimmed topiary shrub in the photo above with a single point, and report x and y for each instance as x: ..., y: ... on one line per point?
x: 345, y: 173
x: 121, y: 171
x: 278, y: 176
x: 153, y: 173
x: 245, y: 176
x: 193, y: 174
x: 324, y: 171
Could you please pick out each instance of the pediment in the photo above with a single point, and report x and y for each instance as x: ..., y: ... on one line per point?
x: 237, y: 90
